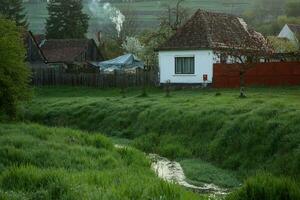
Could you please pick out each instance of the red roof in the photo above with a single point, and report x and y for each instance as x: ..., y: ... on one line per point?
x: 208, y: 30
x: 56, y: 50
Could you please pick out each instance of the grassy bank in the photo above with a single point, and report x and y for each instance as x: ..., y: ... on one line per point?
x: 244, y: 135
x: 55, y: 163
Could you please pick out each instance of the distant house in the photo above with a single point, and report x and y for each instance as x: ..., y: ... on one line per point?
x: 61, y: 52
x: 188, y: 56
x: 291, y: 32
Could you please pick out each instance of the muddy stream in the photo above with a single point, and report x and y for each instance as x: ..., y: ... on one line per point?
x: 171, y: 171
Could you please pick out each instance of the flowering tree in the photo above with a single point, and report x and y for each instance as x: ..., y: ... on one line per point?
x: 134, y: 46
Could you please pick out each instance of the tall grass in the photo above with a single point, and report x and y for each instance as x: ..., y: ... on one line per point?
x: 56, y: 163
x: 267, y: 187
x: 245, y: 135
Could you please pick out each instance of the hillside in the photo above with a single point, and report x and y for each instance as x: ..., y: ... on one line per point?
x: 147, y: 12
x: 37, y: 162
x: 242, y: 135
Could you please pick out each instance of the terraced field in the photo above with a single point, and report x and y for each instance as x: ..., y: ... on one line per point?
x: 147, y: 12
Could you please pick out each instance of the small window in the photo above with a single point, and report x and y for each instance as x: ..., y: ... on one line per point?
x: 185, y: 65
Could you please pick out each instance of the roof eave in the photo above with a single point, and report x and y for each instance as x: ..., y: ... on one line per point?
x: 182, y: 49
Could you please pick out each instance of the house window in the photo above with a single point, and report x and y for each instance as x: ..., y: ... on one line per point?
x: 185, y: 65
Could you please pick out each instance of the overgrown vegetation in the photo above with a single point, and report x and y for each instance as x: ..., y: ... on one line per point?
x: 14, y: 75
x: 260, y: 132
x: 54, y: 163
x: 199, y: 172
x: 267, y: 187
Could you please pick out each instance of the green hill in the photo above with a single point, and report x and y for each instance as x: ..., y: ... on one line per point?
x: 147, y: 12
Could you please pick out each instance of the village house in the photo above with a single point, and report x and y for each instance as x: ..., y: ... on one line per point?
x: 188, y: 56
x: 290, y: 32
x: 64, y: 53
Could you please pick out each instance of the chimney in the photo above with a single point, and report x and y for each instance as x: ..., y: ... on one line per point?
x: 99, y: 37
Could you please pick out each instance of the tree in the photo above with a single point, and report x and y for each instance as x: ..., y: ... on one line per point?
x: 293, y: 9
x: 174, y: 16
x: 151, y: 40
x: 243, y: 53
x: 14, y: 10
x: 134, y: 46
x: 282, y: 45
x: 66, y: 20
x: 14, y: 75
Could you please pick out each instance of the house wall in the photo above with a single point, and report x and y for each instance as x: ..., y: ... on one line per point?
x: 204, y: 60
x: 286, y: 32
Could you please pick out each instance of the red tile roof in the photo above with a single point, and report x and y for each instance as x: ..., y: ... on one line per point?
x: 295, y: 28
x: 208, y: 30
x: 56, y: 50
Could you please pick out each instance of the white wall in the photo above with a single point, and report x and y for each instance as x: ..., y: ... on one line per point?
x: 286, y: 32
x: 204, y: 60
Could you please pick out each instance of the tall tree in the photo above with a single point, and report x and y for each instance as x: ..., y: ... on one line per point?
x: 14, y: 75
x: 66, y: 19
x: 175, y: 14
x: 14, y: 10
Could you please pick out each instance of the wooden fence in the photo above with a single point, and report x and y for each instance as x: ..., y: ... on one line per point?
x: 54, y: 77
x: 263, y: 74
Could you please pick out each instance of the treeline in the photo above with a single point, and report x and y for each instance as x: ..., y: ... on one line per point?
x: 269, y: 16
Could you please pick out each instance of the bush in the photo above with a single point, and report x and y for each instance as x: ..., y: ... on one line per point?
x: 267, y: 187
x: 14, y: 76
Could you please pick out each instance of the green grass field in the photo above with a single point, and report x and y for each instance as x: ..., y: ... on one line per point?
x: 147, y: 12
x: 43, y: 163
x: 243, y: 136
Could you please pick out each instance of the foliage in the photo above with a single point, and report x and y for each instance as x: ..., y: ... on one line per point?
x: 14, y: 74
x: 260, y: 132
x: 133, y: 45
x: 269, y: 17
x: 66, y: 20
x: 56, y: 163
x: 14, y: 10
x: 293, y: 8
x: 152, y: 39
x: 111, y: 48
x: 282, y: 45
x: 267, y: 187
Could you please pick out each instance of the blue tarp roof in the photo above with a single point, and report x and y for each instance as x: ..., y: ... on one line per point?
x: 127, y: 61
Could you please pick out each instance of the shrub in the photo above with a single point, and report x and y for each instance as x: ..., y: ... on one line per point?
x: 267, y: 187
x: 14, y: 76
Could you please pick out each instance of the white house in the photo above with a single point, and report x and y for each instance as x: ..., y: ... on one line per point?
x: 188, y: 56
x: 291, y: 32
